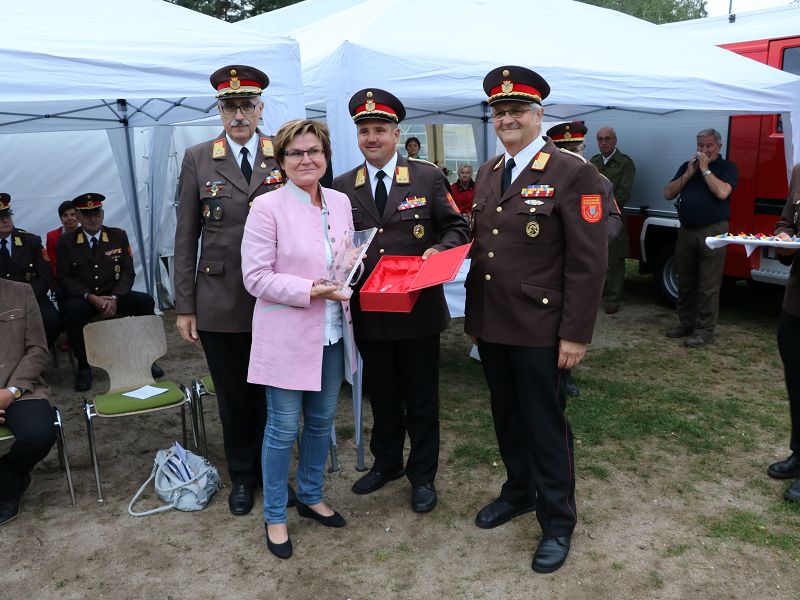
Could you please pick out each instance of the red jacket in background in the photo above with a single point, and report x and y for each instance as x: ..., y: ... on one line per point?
x: 463, y: 198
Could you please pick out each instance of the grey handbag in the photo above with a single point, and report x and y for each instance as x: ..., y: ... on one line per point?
x: 183, y: 480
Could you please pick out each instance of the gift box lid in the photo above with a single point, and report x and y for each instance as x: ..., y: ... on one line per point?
x: 440, y: 267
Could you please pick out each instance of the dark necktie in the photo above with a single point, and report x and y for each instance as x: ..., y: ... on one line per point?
x: 5, y: 257
x: 247, y: 170
x: 380, y: 193
x: 94, y: 247
x: 507, y: 176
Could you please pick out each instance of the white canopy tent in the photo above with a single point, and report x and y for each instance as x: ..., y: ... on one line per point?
x: 399, y: 45
x: 117, y: 67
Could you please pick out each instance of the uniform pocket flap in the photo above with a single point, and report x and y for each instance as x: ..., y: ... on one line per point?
x: 209, y: 266
x: 414, y: 214
x: 15, y: 314
x: 535, y: 207
x: 542, y: 295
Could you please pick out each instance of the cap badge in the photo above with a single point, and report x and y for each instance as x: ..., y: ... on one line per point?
x: 370, y: 103
x: 507, y: 86
x: 90, y: 204
x: 567, y: 135
x: 234, y: 81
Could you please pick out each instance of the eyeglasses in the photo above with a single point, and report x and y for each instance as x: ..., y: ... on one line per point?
x: 230, y: 109
x: 313, y: 153
x: 515, y: 113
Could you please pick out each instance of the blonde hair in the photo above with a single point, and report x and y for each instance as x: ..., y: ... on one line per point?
x: 292, y: 129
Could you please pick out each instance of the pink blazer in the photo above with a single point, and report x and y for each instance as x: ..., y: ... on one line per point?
x: 283, y: 252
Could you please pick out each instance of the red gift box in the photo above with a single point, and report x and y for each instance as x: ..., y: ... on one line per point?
x: 396, y: 281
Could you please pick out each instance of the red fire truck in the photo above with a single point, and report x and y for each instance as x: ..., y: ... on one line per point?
x: 753, y: 143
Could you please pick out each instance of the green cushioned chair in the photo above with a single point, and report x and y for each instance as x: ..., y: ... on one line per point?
x: 126, y: 348
x: 63, y: 455
x: 202, y: 388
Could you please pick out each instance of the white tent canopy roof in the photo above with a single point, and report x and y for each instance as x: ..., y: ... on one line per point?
x: 73, y: 60
x: 769, y: 23
x: 638, y: 66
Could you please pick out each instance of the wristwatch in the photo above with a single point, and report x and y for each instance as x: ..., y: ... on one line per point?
x: 16, y: 393
x: 707, y: 172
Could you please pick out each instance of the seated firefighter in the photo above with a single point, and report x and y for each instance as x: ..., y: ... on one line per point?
x: 24, y: 408
x: 23, y: 259
x: 95, y: 275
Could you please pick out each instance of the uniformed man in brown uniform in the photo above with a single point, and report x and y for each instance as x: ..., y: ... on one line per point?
x: 24, y: 259
x: 533, y: 288
x: 789, y: 336
x: 409, y: 202
x: 94, y: 272
x: 219, y: 179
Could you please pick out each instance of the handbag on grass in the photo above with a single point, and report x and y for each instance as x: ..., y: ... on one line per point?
x: 183, y: 480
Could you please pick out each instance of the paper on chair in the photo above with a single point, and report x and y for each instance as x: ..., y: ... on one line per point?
x: 145, y: 392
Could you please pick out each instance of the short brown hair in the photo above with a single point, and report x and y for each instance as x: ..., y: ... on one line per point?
x: 291, y: 129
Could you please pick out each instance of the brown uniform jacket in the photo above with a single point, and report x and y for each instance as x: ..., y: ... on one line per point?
x: 23, y: 353
x: 790, y: 224
x: 532, y: 290
x: 214, y: 202
x: 29, y: 262
x: 109, y: 271
x: 443, y: 227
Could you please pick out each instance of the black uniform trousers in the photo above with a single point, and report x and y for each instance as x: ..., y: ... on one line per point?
x: 402, y: 381
x: 51, y: 320
x: 789, y: 347
x: 31, y: 422
x: 533, y: 434
x: 77, y: 312
x: 242, y: 405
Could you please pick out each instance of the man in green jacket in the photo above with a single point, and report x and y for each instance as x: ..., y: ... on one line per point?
x: 618, y: 168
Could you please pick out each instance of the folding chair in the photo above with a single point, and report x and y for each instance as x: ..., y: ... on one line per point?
x: 63, y: 455
x: 126, y: 348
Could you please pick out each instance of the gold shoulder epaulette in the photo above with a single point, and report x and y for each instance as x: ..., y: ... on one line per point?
x: 571, y: 153
x: 425, y: 162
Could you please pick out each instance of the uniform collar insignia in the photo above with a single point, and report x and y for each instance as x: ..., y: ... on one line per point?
x: 499, y: 162
x: 401, y: 176
x: 540, y: 161
x: 17, y: 240
x: 361, y: 177
x: 104, y: 237
x: 219, y: 148
x: 266, y: 148
x: 80, y: 239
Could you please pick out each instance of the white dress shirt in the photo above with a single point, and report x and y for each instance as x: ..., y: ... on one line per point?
x: 388, y: 168
x: 524, y: 156
x: 252, y: 147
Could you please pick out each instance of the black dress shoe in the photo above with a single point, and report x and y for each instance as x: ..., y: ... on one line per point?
x: 240, y: 500
x: 83, y: 382
x: 334, y: 520
x: 499, y: 512
x: 375, y: 480
x: 786, y: 469
x: 9, y: 510
x: 551, y: 554
x: 423, y: 498
x: 283, y: 550
x: 792, y: 493
x: 156, y: 371
x: 291, y: 496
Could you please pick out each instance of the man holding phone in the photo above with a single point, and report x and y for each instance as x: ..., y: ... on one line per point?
x: 703, y: 186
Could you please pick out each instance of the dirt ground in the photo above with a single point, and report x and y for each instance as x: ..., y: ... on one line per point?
x: 620, y: 547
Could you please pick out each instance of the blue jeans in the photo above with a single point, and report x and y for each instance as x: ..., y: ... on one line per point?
x: 283, y: 423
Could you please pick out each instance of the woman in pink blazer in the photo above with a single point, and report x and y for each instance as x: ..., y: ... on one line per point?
x: 302, y: 328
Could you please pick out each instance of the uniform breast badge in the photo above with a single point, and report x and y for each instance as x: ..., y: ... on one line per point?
x: 538, y: 191
x: 275, y: 176
x: 206, y: 211
x: 419, y: 231
x: 214, y: 189
x: 412, y: 202
x: 217, y: 213
x: 532, y: 228
x: 401, y: 175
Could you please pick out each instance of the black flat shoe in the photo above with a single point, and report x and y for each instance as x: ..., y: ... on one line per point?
x: 156, y: 371
x: 498, y: 512
x: 240, y: 500
x: 423, y: 498
x: 785, y: 469
x: 334, y: 520
x: 551, y: 554
x: 375, y: 480
x: 283, y: 550
x: 792, y: 493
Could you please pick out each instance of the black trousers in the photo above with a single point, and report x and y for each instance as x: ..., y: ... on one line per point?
x: 789, y: 347
x: 51, y: 320
x: 31, y: 422
x: 533, y: 434
x: 402, y: 380
x: 77, y: 312
x: 242, y: 405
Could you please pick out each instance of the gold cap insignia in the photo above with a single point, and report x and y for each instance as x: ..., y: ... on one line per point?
x: 234, y: 81
x: 567, y: 136
x: 370, y: 103
x: 90, y: 204
x: 507, y: 86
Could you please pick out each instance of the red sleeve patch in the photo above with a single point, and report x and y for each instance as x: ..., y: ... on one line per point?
x: 591, y: 208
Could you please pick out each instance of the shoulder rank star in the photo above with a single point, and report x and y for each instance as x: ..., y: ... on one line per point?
x: 538, y: 191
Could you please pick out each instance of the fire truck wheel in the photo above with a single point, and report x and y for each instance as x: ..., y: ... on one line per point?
x: 664, y: 277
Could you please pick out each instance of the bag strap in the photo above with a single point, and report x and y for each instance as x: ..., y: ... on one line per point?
x: 138, y: 494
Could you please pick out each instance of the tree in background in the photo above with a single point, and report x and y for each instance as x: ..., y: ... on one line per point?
x: 656, y: 11
x: 233, y: 10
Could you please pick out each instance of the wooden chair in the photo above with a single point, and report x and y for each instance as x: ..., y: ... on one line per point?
x: 63, y: 455
x: 126, y: 348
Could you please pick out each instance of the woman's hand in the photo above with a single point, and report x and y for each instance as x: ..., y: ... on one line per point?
x: 330, y: 292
